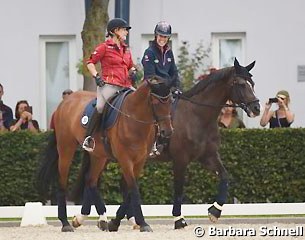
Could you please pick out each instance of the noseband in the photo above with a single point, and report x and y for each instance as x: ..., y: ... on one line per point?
x: 238, y: 93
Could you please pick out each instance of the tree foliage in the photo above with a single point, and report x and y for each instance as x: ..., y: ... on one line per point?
x: 191, y: 64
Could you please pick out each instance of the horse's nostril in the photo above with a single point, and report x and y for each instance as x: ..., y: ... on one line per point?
x: 165, y: 133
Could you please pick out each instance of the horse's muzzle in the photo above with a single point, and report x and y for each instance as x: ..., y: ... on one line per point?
x: 253, y: 109
x: 166, y: 133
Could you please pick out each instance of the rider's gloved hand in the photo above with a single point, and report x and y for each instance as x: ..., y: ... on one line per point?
x: 99, y: 81
x: 177, y: 92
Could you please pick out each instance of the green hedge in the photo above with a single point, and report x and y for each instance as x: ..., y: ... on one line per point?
x: 264, y: 166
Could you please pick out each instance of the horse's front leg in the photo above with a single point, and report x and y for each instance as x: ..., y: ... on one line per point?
x: 214, y: 164
x: 179, y: 180
x: 124, y: 209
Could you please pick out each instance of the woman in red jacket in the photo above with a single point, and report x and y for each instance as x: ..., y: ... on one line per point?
x: 116, y: 61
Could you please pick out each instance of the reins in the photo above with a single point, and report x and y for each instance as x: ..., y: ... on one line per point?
x: 240, y: 105
x: 137, y: 120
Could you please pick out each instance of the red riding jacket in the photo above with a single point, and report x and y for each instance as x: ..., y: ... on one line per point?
x: 115, y: 62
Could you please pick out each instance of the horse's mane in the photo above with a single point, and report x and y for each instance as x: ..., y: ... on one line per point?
x: 212, y: 78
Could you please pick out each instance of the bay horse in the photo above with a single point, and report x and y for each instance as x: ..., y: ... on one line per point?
x: 196, y: 136
x: 131, y: 139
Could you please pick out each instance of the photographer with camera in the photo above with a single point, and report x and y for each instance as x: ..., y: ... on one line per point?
x: 282, y: 117
x: 24, y: 118
x: 6, y: 113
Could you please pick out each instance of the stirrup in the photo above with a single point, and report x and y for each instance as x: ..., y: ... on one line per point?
x: 154, y: 153
x: 87, y: 142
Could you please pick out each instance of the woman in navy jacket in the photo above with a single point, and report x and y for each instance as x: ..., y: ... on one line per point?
x: 159, y: 60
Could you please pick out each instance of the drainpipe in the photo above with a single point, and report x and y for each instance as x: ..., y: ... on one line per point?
x: 122, y: 11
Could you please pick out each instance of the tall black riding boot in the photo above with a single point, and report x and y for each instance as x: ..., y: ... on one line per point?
x: 89, y: 142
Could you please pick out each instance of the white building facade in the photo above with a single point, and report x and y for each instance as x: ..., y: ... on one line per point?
x: 41, y: 44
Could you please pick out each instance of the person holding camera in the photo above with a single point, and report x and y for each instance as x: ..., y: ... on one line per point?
x: 282, y: 117
x: 6, y: 113
x: 24, y: 118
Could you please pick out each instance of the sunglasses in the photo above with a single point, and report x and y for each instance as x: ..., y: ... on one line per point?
x: 66, y: 93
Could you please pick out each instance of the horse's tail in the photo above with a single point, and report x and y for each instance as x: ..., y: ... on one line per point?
x: 48, y: 169
x: 79, y: 186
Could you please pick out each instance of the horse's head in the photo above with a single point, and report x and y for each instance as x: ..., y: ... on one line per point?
x: 243, y: 89
x: 160, y: 97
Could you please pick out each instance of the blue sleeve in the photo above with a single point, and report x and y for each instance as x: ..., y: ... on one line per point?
x: 148, y: 64
x: 173, y: 72
x: 8, y: 118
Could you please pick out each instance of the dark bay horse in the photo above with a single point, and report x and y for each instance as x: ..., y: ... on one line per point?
x: 131, y: 139
x: 196, y: 135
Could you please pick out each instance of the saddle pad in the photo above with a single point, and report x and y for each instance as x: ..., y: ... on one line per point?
x: 111, y: 113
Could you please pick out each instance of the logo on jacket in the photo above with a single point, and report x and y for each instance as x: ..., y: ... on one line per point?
x: 146, y: 59
x: 156, y: 61
x: 169, y: 59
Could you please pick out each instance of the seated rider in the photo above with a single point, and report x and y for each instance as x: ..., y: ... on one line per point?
x: 116, y: 60
x: 159, y: 60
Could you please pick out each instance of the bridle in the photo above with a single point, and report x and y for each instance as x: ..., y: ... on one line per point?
x: 163, y: 100
x: 235, y: 89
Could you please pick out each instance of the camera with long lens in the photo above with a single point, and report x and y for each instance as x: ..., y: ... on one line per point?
x: 273, y: 100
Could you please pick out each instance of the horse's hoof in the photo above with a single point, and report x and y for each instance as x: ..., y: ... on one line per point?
x: 181, y: 223
x: 113, y: 225
x: 214, y: 213
x: 145, y: 228
x: 135, y: 227
x: 212, y: 218
x: 75, y: 222
x: 67, y: 228
x: 103, y: 225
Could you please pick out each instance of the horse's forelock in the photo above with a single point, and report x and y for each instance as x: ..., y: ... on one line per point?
x: 160, y: 89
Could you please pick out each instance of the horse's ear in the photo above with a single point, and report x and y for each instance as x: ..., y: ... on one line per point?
x: 250, y: 66
x: 236, y: 63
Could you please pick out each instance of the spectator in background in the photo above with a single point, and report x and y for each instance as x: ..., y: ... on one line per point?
x: 6, y: 113
x: 66, y: 93
x: 24, y: 118
x: 229, y: 118
x: 283, y: 116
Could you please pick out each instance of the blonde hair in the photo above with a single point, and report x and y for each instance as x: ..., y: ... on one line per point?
x: 284, y: 93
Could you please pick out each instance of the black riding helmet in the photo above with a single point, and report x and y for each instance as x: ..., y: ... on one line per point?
x: 117, y: 23
x: 163, y: 28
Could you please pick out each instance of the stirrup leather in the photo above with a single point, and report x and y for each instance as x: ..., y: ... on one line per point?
x: 87, y: 142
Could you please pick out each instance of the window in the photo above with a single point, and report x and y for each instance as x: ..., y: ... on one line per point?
x: 227, y: 46
x: 58, y: 72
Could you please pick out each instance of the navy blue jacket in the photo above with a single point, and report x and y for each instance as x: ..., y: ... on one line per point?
x: 7, y: 115
x: 162, y: 65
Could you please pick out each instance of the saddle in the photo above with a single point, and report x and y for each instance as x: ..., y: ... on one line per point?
x: 110, y: 113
